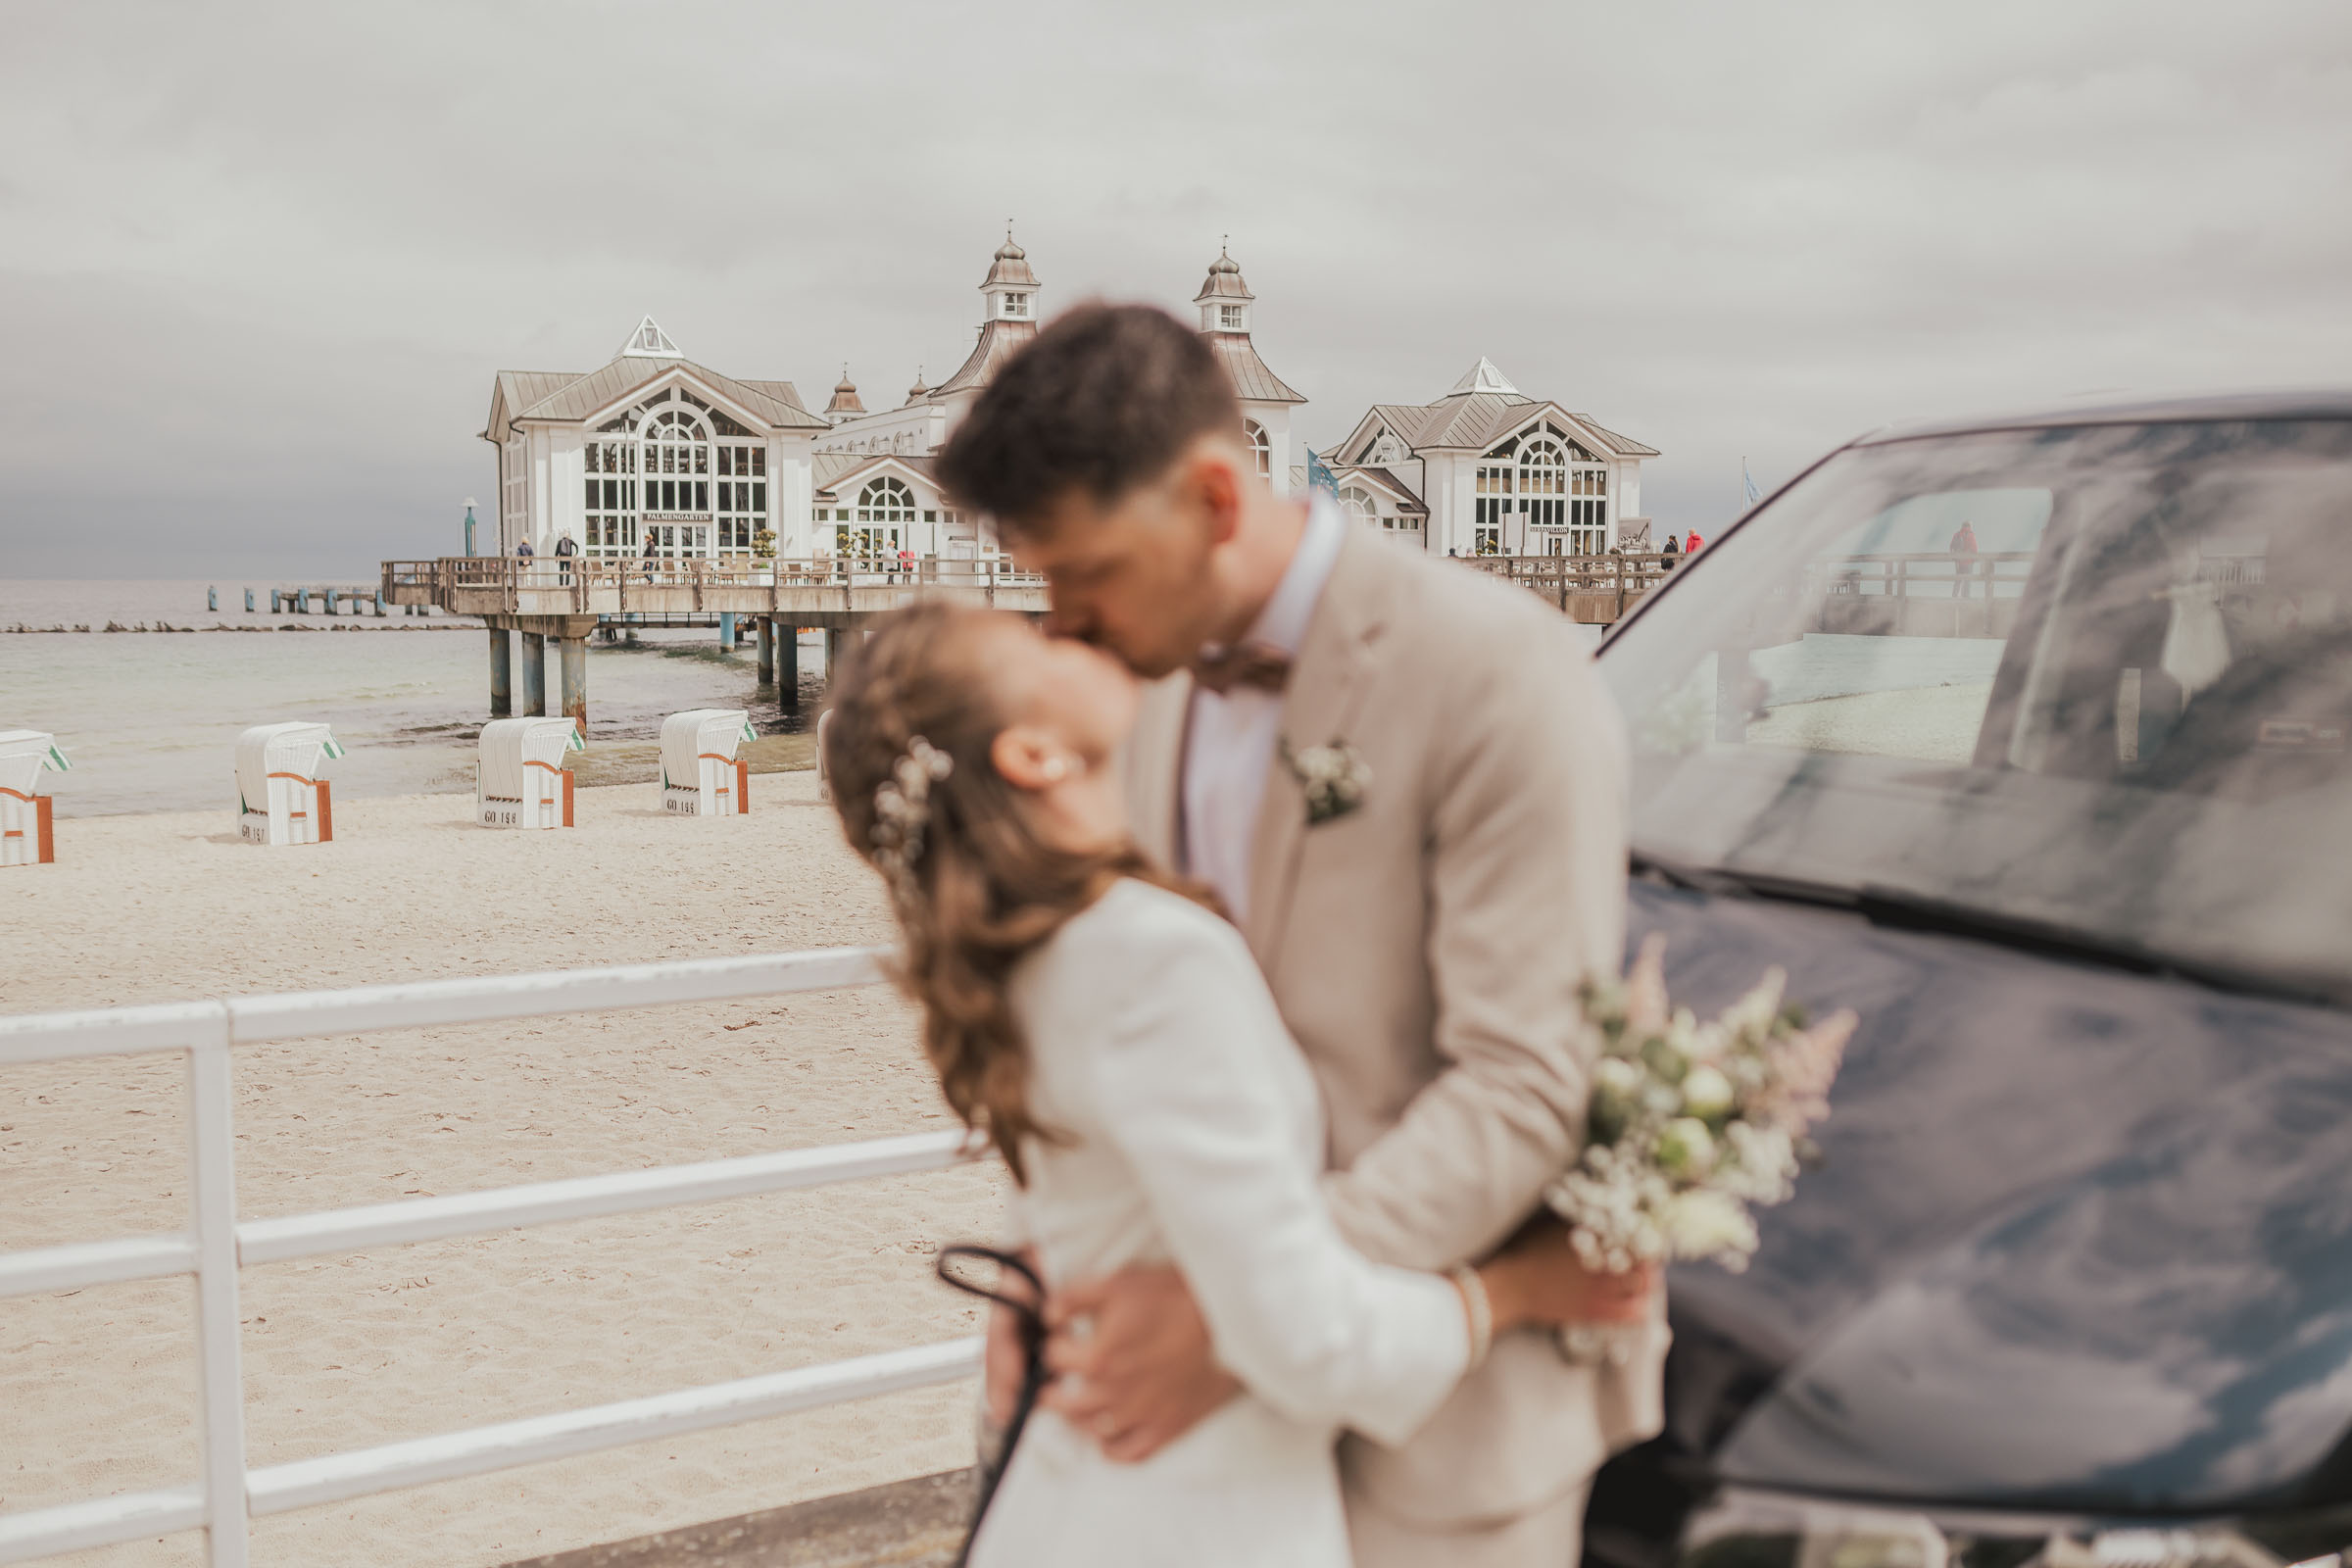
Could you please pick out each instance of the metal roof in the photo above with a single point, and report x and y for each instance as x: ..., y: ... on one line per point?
x: 1011, y: 266
x: 840, y: 471
x: 581, y: 397
x: 2316, y: 404
x: 1398, y: 491
x: 1253, y: 382
x: 1625, y: 446
x: 845, y: 396
x: 1224, y: 282
x: 998, y: 339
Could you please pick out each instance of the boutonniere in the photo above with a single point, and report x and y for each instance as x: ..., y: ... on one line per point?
x: 1333, y: 777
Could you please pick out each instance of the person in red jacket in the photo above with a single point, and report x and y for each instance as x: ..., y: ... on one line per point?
x: 1691, y: 545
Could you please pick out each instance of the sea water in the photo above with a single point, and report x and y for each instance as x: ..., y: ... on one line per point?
x: 150, y: 719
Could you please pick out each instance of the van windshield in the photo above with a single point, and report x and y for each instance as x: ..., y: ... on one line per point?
x: 2091, y: 682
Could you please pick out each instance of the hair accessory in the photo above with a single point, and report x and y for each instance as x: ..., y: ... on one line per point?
x: 903, y: 811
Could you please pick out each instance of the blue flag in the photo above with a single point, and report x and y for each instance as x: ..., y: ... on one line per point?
x: 1318, y: 475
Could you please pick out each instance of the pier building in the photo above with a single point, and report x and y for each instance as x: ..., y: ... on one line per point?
x: 659, y: 490
x: 1486, y: 470
x: 658, y: 456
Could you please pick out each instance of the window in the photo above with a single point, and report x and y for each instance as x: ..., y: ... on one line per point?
x: 742, y: 496
x: 2095, y: 681
x: 1262, y: 451
x: 1229, y: 317
x: 1496, y: 498
x: 885, y: 511
x: 676, y: 448
x: 609, y: 526
x: 1017, y: 305
x: 515, y: 477
x: 1359, y: 504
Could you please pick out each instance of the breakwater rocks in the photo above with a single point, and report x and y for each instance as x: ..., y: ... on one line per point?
x: 161, y: 625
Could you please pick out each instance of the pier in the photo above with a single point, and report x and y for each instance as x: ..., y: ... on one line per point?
x: 570, y: 599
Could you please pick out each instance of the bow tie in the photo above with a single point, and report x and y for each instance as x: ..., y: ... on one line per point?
x: 1259, y: 666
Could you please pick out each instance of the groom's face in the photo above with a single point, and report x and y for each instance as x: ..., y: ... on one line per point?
x: 1136, y: 577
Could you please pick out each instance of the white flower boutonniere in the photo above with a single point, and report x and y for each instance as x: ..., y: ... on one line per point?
x: 1334, y: 778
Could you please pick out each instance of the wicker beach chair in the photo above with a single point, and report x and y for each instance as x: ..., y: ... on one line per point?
x: 701, y: 774
x: 519, y: 779
x: 283, y: 796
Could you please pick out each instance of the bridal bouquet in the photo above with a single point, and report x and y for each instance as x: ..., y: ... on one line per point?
x: 1693, y: 1122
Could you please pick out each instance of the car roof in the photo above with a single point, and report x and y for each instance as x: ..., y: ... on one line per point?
x: 2319, y: 404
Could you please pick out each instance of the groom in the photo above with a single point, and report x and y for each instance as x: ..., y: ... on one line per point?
x: 1424, y: 924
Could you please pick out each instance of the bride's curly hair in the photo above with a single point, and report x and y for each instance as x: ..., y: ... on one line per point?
x: 974, y: 888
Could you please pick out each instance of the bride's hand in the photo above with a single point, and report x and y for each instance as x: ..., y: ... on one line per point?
x: 1538, y: 1278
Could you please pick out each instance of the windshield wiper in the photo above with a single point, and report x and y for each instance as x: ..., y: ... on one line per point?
x: 1900, y: 908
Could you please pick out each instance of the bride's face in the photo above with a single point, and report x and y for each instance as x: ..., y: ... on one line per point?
x: 1080, y: 700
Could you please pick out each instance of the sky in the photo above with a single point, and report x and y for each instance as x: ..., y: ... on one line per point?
x: 259, y: 264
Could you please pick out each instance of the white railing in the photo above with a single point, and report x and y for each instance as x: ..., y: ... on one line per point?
x: 227, y: 1494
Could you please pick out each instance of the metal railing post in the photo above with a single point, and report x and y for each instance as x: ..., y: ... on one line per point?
x: 220, y: 1374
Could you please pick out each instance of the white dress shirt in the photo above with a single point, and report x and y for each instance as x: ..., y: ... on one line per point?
x: 1230, y: 737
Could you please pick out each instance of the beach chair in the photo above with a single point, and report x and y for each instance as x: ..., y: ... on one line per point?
x: 701, y: 774
x: 282, y: 792
x: 26, y: 835
x: 519, y: 779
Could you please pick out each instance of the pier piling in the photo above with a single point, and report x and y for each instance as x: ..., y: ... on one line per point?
x: 787, y: 664
x: 572, y: 671
x: 726, y: 629
x: 501, y: 677
x: 212, y: 600
x: 534, y: 674
x: 249, y: 601
x: 767, y: 650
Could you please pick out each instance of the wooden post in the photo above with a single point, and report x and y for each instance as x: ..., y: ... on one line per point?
x: 327, y: 811
x: 44, y: 831
x: 742, y: 787
x: 767, y: 650
x: 573, y: 670
x: 502, y: 675
x: 568, y: 783
x: 535, y: 674
x: 788, y: 667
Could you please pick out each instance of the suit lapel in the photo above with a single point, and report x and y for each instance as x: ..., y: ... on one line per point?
x: 1326, y: 690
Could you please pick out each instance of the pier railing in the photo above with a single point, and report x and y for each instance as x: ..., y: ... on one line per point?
x: 548, y: 585
x: 1588, y: 588
x: 225, y: 1495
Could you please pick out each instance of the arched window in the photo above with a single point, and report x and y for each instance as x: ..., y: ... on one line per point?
x: 1360, y: 504
x: 885, y: 514
x: 1262, y: 451
x: 1544, y: 482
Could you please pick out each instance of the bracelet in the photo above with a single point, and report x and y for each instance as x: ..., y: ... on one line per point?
x: 1476, y: 1307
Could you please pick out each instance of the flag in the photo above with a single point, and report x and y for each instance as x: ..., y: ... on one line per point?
x: 1748, y: 484
x: 1318, y: 475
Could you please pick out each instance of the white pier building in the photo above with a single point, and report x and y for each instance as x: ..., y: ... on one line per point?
x: 658, y: 456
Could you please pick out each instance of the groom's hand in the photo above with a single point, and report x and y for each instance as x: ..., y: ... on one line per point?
x: 1131, y: 1362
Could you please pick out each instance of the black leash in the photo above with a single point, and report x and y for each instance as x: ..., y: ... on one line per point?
x: 1032, y: 1324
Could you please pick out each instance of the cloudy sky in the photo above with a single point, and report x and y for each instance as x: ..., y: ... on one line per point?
x: 259, y: 264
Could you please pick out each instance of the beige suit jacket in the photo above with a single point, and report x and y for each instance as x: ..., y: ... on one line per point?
x: 1426, y: 949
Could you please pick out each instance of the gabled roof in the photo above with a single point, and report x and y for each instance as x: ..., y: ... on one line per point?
x: 1477, y: 420
x: 1381, y: 478
x: 1625, y: 446
x: 1253, y: 382
x: 838, y: 473
x: 781, y: 391
x: 580, y: 398
x: 999, y: 340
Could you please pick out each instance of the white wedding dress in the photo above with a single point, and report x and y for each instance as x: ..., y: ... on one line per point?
x: 1194, y: 1135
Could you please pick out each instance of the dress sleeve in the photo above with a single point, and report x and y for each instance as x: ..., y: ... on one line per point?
x: 1188, y: 1083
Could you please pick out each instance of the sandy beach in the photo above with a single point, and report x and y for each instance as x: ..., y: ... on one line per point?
x: 98, y: 1386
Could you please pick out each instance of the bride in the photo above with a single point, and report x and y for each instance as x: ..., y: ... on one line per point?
x: 1111, y: 1036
